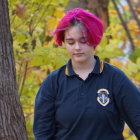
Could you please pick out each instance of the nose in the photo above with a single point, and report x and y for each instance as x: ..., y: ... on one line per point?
x: 77, y: 46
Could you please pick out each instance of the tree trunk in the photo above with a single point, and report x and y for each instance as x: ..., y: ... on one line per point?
x: 97, y: 7
x: 100, y: 9
x: 76, y: 4
x: 12, y: 123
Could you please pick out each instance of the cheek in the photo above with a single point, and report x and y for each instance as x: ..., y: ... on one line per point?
x: 92, y: 50
x: 69, y: 50
x: 89, y: 50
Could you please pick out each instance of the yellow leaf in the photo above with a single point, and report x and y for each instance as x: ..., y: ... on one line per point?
x: 126, y: 132
x: 52, y: 23
x: 132, y: 25
x: 138, y: 62
x: 137, y: 42
x: 39, y: 75
x: 137, y: 9
x: 116, y: 62
x: 111, y: 4
x: 59, y: 12
x: 132, y: 67
x: 113, y: 13
x: 137, y: 31
x: 135, y: 1
x: 126, y: 7
x: 29, y: 72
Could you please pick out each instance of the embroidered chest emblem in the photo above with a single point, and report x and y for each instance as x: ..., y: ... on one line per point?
x: 103, y: 98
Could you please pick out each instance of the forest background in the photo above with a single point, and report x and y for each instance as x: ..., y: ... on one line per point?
x: 36, y: 54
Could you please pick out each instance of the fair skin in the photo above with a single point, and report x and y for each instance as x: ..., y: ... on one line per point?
x: 80, y: 52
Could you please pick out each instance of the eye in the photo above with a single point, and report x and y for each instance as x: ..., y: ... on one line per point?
x: 83, y: 41
x: 70, y: 43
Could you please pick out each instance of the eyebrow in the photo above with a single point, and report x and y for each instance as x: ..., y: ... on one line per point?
x: 73, y: 38
x: 69, y: 39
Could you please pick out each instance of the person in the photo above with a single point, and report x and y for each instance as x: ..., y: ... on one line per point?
x: 86, y: 99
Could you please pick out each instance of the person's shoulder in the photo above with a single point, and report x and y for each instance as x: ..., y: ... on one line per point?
x: 51, y: 80
x: 113, y: 70
x: 56, y: 73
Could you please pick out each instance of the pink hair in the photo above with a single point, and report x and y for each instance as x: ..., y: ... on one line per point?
x: 93, y: 25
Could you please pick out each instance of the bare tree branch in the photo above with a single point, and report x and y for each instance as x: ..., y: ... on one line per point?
x: 124, y: 25
x: 24, y: 77
x: 133, y: 12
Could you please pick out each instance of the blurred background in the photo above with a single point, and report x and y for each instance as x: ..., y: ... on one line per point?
x: 36, y: 54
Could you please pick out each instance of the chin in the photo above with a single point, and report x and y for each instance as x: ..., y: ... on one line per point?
x: 79, y: 60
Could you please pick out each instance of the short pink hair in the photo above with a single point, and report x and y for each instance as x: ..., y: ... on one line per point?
x: 93, y: 25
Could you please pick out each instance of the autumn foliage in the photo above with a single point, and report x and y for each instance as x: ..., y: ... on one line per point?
x: 36, y: 54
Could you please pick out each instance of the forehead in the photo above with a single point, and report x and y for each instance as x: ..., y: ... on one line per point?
x: 75, y: 32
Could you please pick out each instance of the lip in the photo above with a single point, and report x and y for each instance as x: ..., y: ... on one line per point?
x: 78, y: 54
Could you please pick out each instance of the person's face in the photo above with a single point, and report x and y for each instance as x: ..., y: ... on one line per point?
x: 76, y: 43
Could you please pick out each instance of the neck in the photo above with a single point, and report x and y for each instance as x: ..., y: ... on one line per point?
x: 87, y: 66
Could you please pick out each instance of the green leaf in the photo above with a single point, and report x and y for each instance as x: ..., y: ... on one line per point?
x: 135, y: 55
